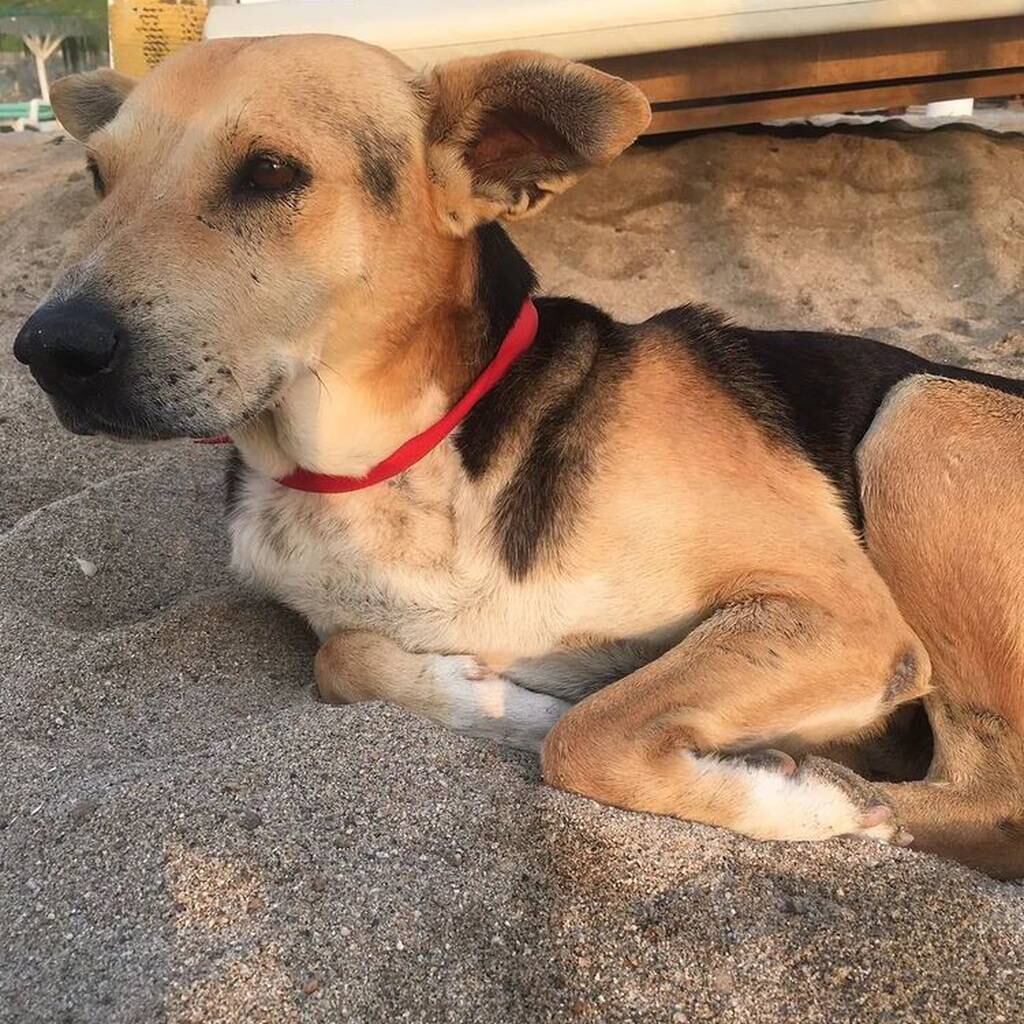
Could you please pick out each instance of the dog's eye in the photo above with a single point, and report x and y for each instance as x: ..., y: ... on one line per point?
x: 97, y: 179
x: 269, y: 174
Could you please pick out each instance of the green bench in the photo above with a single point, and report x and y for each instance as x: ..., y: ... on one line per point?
x: 31, y: 112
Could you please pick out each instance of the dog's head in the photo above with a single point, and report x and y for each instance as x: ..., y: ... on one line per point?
x: 261, y: 200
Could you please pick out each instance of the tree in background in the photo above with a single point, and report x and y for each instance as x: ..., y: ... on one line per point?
x: 43, y: 26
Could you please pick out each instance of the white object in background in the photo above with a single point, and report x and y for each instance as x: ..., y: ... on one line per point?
x: 31, y: 121
x: 428, y: 31
x: 950, y: 108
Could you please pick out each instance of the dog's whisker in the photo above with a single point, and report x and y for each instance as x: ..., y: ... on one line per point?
x: 327, y: 366
x: 323, y: 387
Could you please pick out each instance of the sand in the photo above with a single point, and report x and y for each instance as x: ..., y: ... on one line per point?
x: 186, y: 836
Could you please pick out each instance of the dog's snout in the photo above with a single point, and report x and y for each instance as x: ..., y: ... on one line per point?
x: 68, y: 346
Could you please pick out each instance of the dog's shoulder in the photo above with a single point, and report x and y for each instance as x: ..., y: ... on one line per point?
x: 552, y: 411
x: 813, y: 393
x: 576, y: 346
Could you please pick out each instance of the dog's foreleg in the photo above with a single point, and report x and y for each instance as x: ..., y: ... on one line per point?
x: 455, y: 690
x: 707, y: 731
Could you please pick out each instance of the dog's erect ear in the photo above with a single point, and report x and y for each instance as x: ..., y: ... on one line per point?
x: 86, y: 102
x: 509, y: 131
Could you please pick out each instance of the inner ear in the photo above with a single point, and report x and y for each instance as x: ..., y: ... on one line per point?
x: 509, y: 131
x: 507, y: 138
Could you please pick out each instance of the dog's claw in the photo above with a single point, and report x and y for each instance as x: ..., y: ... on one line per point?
x: 901, y: 837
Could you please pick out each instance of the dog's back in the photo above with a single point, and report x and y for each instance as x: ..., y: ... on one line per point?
x: 816, y: 391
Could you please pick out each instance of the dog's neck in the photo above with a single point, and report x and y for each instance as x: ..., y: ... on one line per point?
x: 342, y: 417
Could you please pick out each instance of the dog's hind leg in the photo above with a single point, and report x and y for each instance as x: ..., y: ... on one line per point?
x: 970, y: 807
x: 942, y: 481
x: 455, y: 690
x: 702, y: 732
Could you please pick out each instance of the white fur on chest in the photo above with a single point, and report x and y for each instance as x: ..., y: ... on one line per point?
x: 387, y: 559
x: 423, y: 570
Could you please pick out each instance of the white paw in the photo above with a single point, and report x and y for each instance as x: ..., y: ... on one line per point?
x: 819, y: 800
x: 484, y: 704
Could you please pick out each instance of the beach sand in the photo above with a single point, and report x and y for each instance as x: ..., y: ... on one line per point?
x: 187, y: 836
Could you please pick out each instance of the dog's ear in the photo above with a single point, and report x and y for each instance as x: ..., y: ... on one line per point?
x: 84, y: 103
x: 507, y: 132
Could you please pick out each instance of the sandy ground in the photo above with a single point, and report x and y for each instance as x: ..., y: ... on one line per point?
x: 185, y: 836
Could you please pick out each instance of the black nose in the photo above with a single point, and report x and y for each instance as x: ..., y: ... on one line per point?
x: 68, y: 345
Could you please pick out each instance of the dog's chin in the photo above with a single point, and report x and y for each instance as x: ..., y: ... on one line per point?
x: 145, y: 418
x: 131, y: 426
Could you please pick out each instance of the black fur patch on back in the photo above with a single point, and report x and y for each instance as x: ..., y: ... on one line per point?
x: 381, y: 157
x: 817, y: 392
x: 832, y: 387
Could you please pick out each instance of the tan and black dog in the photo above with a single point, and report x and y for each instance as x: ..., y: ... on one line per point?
x: 672, y: 556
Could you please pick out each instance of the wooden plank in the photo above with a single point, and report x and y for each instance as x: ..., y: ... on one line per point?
x: 824, y: 60
x: 885, y: 95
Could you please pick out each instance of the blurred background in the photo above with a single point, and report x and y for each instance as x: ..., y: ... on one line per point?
x: 52, y: 36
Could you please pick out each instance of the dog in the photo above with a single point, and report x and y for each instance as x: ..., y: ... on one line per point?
x: 705, y: 571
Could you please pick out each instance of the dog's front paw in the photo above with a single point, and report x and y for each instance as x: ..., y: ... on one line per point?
x: 483, y: 703
x: 814, y: 800
x: 864, y: 808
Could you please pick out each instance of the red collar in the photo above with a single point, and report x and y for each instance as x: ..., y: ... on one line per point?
x: 519, y: 338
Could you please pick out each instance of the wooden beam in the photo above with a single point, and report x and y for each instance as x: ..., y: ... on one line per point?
x: 742, y: 82
x: 768, y: 107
